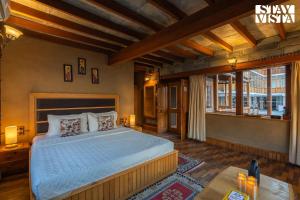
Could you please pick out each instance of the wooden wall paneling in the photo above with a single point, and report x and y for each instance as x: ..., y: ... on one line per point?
x: 272, y: 155
x: 162, y: 106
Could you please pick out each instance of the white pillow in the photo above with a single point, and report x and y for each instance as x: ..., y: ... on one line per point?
x: 54, y: 123
x: 93, y: 119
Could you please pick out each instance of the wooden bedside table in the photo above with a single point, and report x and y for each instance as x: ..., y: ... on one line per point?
x: 14, y: 160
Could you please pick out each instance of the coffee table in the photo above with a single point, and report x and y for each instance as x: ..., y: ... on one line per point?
x: 269, y: 188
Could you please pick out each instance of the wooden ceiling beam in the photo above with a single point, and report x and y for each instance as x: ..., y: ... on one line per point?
x: 169, y: 56
x: 139, y: 64
x: 66, y: 42
x: 198, y: 47
x: 210, y: 2
x: 159, y: 59
x: 215, y: 39
x: 78, y: 12
x: 66, y: 23
x: 33, y: 26
x: 147, y: 61
x: 242, y: 30
x: 168, y: 8
x: 119, y: 9
x: 197, y: 23
x: 182, y: 52
x: 281, y: 30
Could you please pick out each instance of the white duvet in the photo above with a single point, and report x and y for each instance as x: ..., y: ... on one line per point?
x: 62, y: 164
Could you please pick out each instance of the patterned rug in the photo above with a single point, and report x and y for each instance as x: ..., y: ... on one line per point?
x: 174, y: 187
x: 177, y: 186
x: 187, y: 164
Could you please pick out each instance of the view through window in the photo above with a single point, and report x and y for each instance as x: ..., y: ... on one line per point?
x: 264, y: 92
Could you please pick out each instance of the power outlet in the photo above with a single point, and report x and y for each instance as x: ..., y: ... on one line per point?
x: 21, y: 130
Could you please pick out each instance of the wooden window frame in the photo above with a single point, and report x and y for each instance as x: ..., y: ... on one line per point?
x: 239, y: 84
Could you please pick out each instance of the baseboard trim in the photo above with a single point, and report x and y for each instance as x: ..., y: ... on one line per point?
x: 272, y: 155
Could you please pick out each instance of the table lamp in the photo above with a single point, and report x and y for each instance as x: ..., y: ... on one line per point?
x: 11, y: 136
x: 132, y: 120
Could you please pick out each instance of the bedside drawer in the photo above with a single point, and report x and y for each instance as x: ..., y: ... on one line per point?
x: 13, y: 156
x: 14, y: 167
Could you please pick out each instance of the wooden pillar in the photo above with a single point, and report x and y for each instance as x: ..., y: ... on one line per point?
x: 230, y: 92
x: 215, y: 93
x: 248, y: 94
x: 288, y: 73
x: 269, y: 91
x: 239, y: 93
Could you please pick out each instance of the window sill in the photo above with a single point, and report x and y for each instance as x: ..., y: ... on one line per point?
x: 246, y: 116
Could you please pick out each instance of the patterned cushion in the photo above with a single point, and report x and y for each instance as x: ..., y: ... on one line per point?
x: 105, y: 123
x: 70, y: 127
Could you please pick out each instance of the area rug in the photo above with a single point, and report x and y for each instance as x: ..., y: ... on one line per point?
x: 175, y: 187
x: 187, y: 164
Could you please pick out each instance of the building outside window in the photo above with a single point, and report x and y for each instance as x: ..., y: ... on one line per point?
x: 264, y: 92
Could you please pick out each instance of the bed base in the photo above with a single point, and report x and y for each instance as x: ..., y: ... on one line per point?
x: 126, y: 183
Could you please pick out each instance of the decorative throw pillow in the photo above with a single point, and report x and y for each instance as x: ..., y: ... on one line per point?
x: 70, y: 127
x: 105, y: 123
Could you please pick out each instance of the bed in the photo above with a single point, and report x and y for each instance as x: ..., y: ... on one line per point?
x: 112, y: 164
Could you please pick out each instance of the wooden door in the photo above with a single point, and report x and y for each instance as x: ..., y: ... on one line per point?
x: 162, y: 108
x: 184, y: 107
x: 174, y: 118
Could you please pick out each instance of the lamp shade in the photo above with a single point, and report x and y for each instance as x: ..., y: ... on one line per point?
x: 11, y: 135
x: 132, y: 120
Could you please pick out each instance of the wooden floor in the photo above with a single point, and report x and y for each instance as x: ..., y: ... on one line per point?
x: 216, y: 159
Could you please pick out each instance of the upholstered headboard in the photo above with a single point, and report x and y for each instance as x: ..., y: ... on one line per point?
x: 42, y: 104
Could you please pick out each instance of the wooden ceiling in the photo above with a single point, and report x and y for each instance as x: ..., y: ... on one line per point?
x: 154, y: 32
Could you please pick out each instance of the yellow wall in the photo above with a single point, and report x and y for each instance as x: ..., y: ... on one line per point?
x: 32, y: 65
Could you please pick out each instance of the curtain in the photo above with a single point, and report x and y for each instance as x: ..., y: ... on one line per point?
x: 197, y: 106
x: 294, y: 153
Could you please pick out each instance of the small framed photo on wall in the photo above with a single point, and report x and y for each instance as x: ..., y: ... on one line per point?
x: 68, y: 73
x: 82, y: 66
x: 95, y: 76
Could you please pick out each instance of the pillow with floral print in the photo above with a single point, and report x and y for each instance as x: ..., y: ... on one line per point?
x: 105, y: 123
x: 70, y: 127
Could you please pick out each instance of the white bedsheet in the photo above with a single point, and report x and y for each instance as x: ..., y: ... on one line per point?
x: 62, y: 164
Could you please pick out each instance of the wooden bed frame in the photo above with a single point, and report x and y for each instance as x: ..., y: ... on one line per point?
x: 120, y: 185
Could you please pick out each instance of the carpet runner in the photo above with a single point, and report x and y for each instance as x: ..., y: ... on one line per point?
x: 178, y: 186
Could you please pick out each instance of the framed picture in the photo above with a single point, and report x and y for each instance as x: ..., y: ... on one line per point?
x: 82, y: 66
x: 68, y: 73
x: 95, y: 75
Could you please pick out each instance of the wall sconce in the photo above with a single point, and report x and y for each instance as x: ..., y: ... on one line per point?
x: 132, y: 120
x: 12, y: 33
x: 232, y: 62
x: 11, y: 136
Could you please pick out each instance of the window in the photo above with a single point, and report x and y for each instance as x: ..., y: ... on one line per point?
x: 263, y: 92
x: 226, y: 92
x: 209, y: 94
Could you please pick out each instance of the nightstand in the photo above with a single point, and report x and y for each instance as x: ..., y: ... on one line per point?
x: 14, y: 160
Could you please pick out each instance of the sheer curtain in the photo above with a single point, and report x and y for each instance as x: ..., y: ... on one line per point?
x: 197, y: 106
x: 294, y: 154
